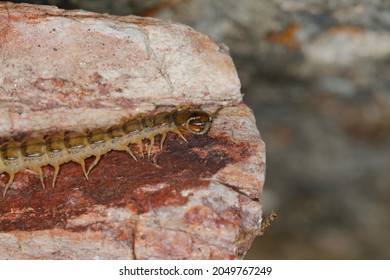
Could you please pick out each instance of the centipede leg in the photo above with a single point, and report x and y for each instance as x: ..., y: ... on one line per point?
x: 163, y: 136
x: 97, y: 158
x: 82, y: 163
x: 10, y: 180
x: 39, y: 170
x: 139, y: 144
x: 131, y: 153
x: 151, y: 144
x: 56, y: 170
x: 177, y: 131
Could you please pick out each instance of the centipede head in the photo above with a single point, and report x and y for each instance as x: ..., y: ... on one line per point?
x: 195, y: 121
x: 198, y: 122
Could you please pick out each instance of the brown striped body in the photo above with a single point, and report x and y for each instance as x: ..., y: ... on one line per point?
x: 54, y: 150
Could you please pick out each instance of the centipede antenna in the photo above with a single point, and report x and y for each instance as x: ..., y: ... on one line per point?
x: 216, y: 112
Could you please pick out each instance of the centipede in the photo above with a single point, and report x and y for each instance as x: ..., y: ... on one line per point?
x: 55, y: 149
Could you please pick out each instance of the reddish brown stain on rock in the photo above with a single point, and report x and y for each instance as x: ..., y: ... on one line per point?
x: 205, y: 215
x: 198, y: 214
x: 117, y: 180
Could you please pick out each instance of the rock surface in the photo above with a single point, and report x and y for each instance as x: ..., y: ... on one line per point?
x: 75, y: 70
x: 86, y: 69
x: 316, y: 73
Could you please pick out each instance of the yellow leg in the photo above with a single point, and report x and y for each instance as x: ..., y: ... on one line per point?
x: 151, y: 144
x: 39, y: 170
x: 163, y: 136
x: 97, y: 158
x: 177, y: 131
x: 82, y: 163
x: 56, y: 170
x: 140, y: 148
x: 131, y: 153
x: 11, y: 179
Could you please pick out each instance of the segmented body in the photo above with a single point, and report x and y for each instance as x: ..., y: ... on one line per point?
x: 54, y: 150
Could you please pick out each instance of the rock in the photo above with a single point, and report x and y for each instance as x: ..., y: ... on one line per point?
x: 316, y: 73
x: 73, y: 70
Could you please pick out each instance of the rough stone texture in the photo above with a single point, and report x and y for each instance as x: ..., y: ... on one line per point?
x: 67, y: 74
x: 74, y: 69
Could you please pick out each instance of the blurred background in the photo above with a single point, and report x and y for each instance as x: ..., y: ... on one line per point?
x: 317, y: 76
